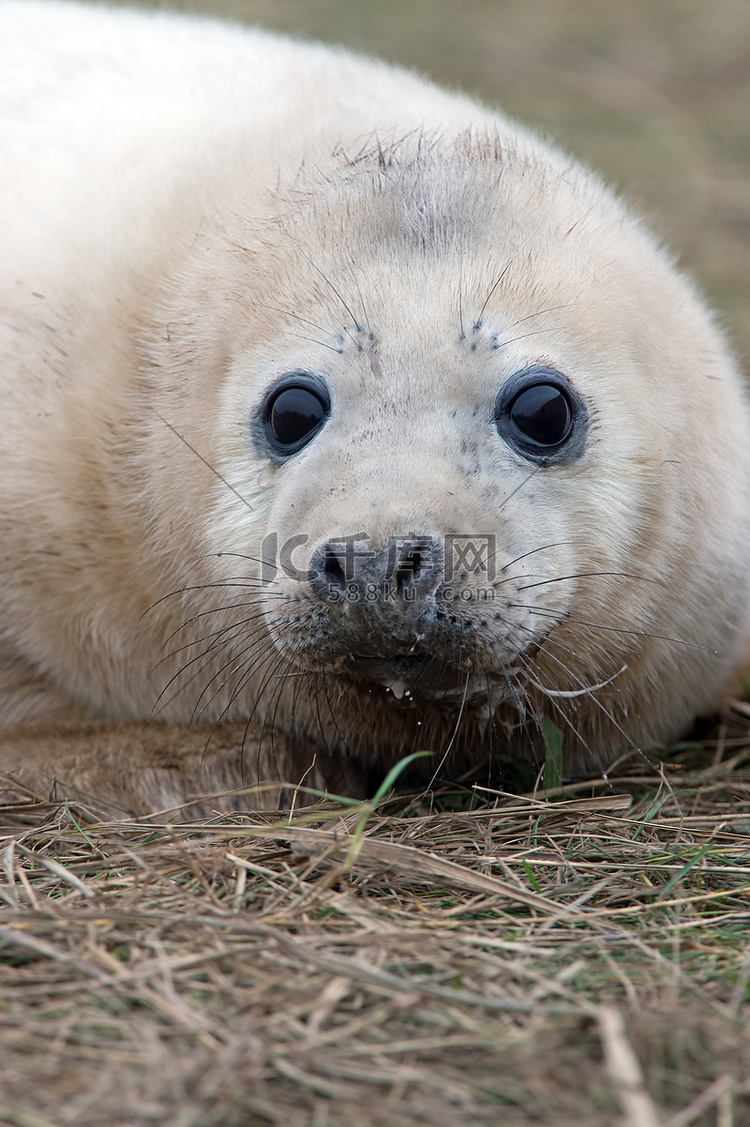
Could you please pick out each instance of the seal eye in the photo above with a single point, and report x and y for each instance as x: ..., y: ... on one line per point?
x: 540, y: 415
x: 293, y: 413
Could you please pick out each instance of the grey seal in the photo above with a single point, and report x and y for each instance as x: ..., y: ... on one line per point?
x: 341, y: 413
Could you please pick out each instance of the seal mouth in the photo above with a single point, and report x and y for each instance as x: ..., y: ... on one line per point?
x: 416, y: 675
x: 405, y: 669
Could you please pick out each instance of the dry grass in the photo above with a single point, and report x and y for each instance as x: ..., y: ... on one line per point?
x: 580, y: 959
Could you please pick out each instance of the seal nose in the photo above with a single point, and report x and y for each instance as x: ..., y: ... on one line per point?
x: 407, y: 569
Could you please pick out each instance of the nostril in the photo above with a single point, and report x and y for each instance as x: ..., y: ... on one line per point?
x: 333, y: 570
x: 408, y: 570
x: 327, y: 572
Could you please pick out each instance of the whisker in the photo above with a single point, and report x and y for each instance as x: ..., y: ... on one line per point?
x: 358, y: 288
x: 288, y: 313
x: 505, y: 270
x: 270, y: 679
x: 562, y: 715
x: 205, y: 614
x: 533, y: 551
x: 524, y: 336
x: 540, y: 312
x: 594, y: 700
x: 587, y: 575
x: 182, y: 682
x: 237, y: 661
x: 539, y: 612
x: 571, y: 694
x: 312, y: 340
x: 206, y: 463
x: 329, y: 283
x: 248, y: 726
x: 461, y: 331
x: 316, y: 701
x: 239, y: 581
x: 532, y: 474
x: 219, y: 637
x: 452, y: 740
x: 201, y: 657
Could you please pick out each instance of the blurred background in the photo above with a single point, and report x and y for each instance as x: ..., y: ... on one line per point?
x: 653, y: 93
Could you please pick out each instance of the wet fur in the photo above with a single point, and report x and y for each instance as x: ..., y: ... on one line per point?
x: 198, y: 209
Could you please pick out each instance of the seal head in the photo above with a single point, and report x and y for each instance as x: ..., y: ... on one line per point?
x: 491, y: 487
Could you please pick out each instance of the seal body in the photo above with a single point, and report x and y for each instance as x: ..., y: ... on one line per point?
x: 344, y: 410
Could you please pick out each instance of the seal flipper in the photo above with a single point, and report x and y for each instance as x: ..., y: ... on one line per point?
x: 118, y: 771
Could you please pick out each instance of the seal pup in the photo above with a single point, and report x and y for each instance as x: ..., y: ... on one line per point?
x: 343, y: 412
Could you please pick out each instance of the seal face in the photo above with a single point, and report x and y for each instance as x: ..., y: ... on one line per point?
x: 376, y: 429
